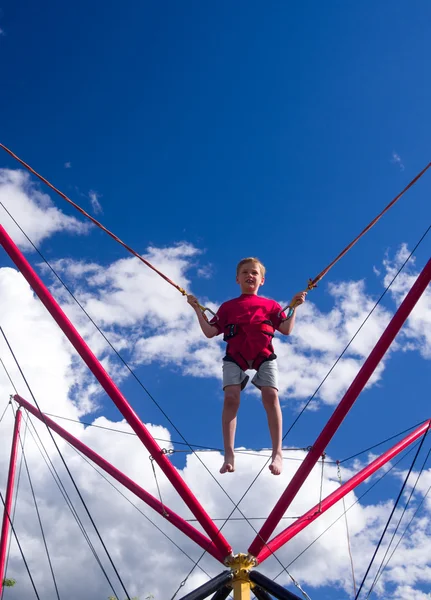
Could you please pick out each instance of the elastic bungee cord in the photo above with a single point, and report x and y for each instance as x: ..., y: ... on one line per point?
x: 312, y: 283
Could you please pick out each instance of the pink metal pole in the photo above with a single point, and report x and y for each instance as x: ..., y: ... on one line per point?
x: 9, y: 496
x: 114, y: 393
x: 155, y: 504
x: 342, y: 409
x: 344, y: 489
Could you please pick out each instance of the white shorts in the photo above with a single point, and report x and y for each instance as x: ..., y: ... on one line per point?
x: 266, y: 376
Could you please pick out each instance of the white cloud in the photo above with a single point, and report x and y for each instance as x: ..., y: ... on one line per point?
x: 33, y: 210
x: 407, y: 591
x: 95, y: 204
x: 417, y: 331
x: 68, y: 165
x: 396, y: 159
x: 205, y: 272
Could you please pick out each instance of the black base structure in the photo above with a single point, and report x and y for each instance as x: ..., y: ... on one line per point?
x: 208, y: 588
x: 219, y: 585
x: 222, y: 594
x: 270, y: 586
x: 261, y: 594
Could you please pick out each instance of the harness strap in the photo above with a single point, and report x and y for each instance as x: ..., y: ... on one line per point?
x: 232, y: 329
x: 243, y: 364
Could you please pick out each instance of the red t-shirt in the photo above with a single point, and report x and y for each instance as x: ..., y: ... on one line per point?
x: 245, y: 310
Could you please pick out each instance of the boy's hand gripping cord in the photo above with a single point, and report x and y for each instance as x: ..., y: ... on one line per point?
x: 312, y: 283
x: 98, y: 224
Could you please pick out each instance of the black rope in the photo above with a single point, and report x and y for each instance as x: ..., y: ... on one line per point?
x: 67, y: 469
x: 406, y: 529
x: 350, y: 507
x: 8, y: 375
x: 271, y: 552
x: 184, y: 581
x: 19, y: 547
x: 66, y: 497
x: 134, y: 506
x: 119, y: 491
x: 5, y: 410
x: 247, y: 452
x: 381, y: 567
x: 22, y: 442
x: 165, y: 513
x: 240, y: 519
x: 381, y: 443
x: 198, y: 446
x: 390, y: 517
x: 349, y: 548
x: 358, y: 330
x: 39, y: 519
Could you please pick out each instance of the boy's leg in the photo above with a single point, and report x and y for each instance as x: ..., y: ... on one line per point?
x: 273, y: 411
x: 234, y: 380
x: 230, y: 409
x: 266, y: 379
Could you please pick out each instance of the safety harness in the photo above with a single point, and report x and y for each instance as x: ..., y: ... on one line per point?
x: 249, y: 345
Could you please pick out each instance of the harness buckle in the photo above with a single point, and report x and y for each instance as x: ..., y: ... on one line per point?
x: 230, y: 331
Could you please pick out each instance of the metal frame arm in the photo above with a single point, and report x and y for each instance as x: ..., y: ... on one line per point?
x: 9, y: 496
x: 261, y: 594
x: 195, y: 535
x: 114, y: 393
x: 344, y: 489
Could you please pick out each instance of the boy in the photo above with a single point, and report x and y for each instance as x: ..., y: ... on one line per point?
x: 248, y: 324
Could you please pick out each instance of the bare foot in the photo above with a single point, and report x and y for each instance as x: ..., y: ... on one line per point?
x: 276, y: 466
x: 229, y: 464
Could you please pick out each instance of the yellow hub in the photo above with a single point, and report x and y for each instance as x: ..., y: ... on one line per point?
x: 241, y: 564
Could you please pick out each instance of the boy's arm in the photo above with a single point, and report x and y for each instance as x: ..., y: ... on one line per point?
x: 208, y: 330
x: 287, y: 325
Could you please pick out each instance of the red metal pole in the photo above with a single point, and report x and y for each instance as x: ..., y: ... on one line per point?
x: 344, y: 489
x: 342, y: 409
x: 155, y: 504
x: 9, y: 496
x: 114, y: 393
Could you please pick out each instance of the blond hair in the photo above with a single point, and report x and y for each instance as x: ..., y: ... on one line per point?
x: 251, y: 259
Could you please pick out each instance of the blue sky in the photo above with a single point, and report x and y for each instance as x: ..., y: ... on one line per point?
x: 276, y: 130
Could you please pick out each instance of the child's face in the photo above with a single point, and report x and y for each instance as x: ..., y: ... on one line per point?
x: 250, y: 278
